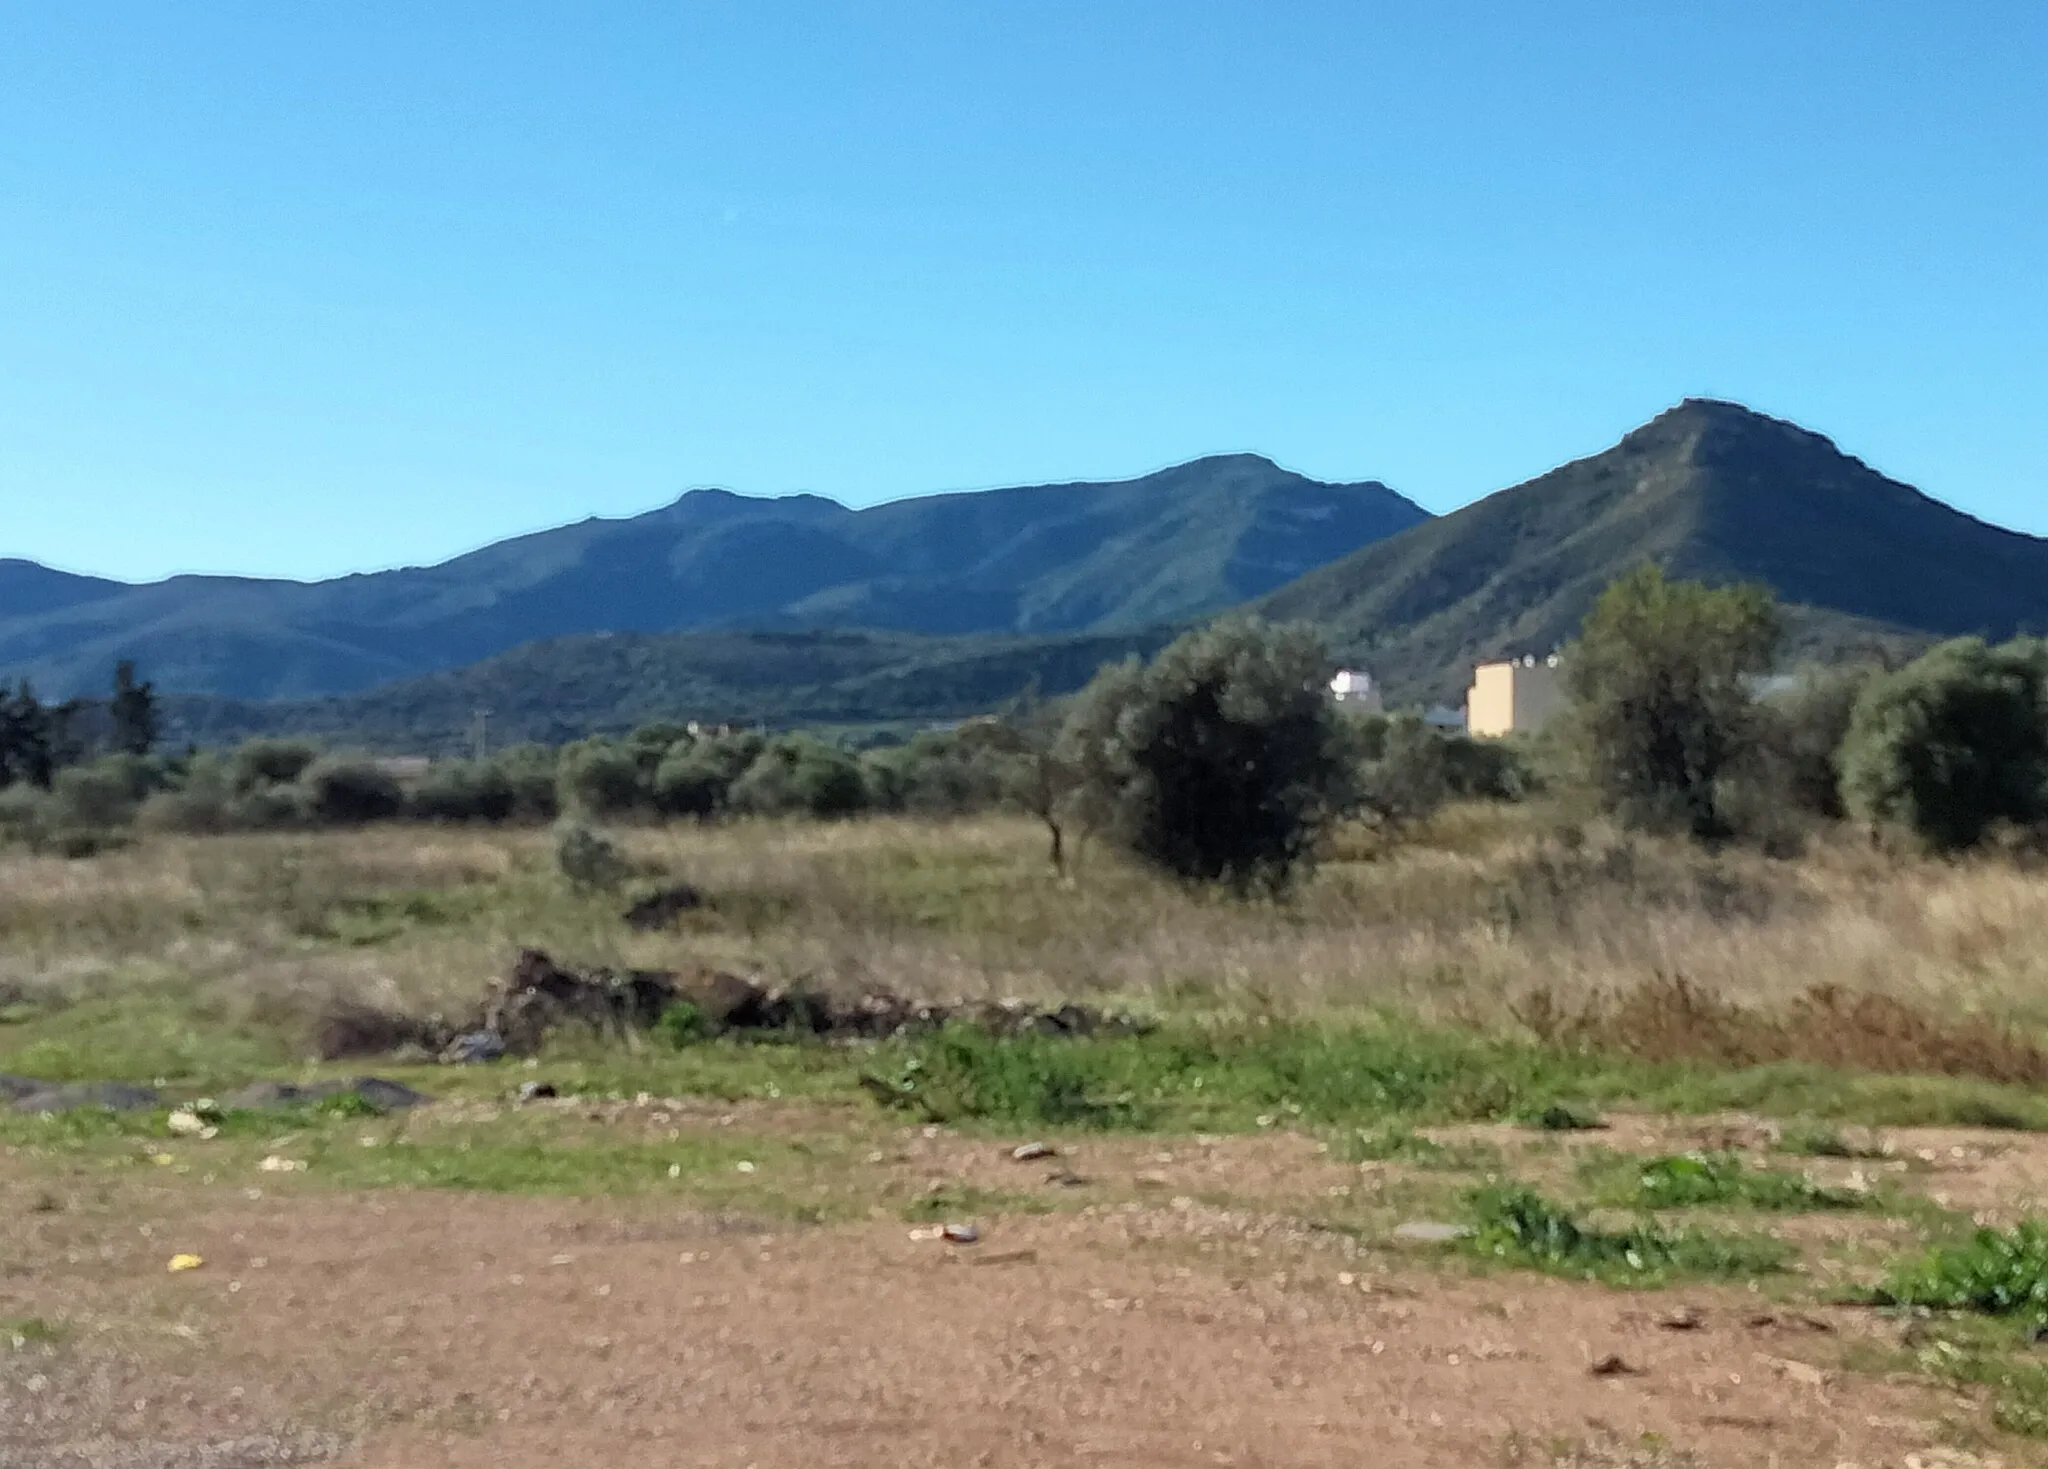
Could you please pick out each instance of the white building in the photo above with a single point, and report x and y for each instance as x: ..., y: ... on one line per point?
x: 1358, y: 691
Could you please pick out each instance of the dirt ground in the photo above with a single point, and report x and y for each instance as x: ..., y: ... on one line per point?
x: 1153, y: 1328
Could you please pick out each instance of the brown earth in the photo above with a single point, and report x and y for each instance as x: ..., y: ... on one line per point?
x: 398, y: 1330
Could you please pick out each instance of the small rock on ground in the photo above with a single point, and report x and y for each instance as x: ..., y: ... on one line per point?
x: 114, y: 1096
x: 385, y: 1096
x: 1431, y: 1232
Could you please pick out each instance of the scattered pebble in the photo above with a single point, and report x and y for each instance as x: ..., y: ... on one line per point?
x: 1431, y: 1232
x: 737, y: 1167
x: 181, y: 1263
x: 1027, y: 1152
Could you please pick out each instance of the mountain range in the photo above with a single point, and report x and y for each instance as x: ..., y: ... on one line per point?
x: 800, y: 610
x: 1034, y: 560
x: 1708, y: 490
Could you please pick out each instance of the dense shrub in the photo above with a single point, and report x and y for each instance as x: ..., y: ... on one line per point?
x: 599, y: 777
x: 1807, y: 730
x: 201, y: 799
x: 692, y: 780
x: 530, y: 771
x: 269, y: 808
x: 262, y: 762
x: 589, y: 858
x: 23, y: 812
x: 937, y: 773
x: 99, y: 796
x: 1222, y: 760
x: 1409, y: 777
x: 1660, y: 683
x: 800, y: 775
x: 1488, y: 770
x: 1953, y: 743
x: 466, y: 790
x: 346, y: 790
x: 650, y: 744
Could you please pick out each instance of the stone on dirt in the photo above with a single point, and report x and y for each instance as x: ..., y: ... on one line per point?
x: 660, y: 910
x: 472, y: 1048
x: 112, y: 1096
x: 383, y: 1095
x: 1613, y: 1365
x: 1431, y: 1232
x: 539, y: 996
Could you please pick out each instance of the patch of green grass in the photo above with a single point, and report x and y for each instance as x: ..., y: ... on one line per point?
x: 1397, y: 1144
x: 1994, y: 1274
x: 1981, y: 1353
x: 141, y: 1037
x: 1711, y: 1180
x: 1369, y: 1071
x: 1825, y: 1142
x: 681, y: 1024
x: 483, y: 1158
x: 1518, y: 1226
x: 1225, y: 1077
x: 26, y: 1331
x: 380, y: 918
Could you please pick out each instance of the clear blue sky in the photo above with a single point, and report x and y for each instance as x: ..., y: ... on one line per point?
x: 299, y: 289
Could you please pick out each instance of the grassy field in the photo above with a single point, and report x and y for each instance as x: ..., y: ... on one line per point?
x: 1452, y: 1021
x: 211, y: 956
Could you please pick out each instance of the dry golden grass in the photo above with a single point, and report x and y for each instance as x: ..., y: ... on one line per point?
x: 1489, y: 907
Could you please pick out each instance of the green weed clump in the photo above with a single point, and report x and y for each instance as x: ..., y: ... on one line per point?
x: 1397, y: 1144
x: 1706, y: 1180
x: 1228, y: 1077
x: 681, y: 1024
x: 1826, y: 1142
x: 964, y: 1074
x: 2019, y: 1388
x: 1519, y: 1226
x: 1996, y: 1274
x: 21, y: 1332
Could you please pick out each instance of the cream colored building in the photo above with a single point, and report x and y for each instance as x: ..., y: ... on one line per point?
x: 1513, y: 696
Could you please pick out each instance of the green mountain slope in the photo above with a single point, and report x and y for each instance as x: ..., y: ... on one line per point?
x: 1046, y: 559
x: 561, y: 689
x: 1708, y: 489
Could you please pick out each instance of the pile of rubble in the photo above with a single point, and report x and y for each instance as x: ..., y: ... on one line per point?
x: 538, y: 996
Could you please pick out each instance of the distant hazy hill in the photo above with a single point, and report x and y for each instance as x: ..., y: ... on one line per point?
x: 1044, y: 559
x: 561, y: 689
x: 1708, y: 489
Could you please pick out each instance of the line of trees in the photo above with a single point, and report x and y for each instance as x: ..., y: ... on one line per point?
x: 1222, y: 760
x: 38, y: 740
x: 1943, y: 752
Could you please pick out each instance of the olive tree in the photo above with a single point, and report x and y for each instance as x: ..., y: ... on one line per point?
x: 1220, y: 761
x: 1952, y: 743
x: 1660, y: 682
